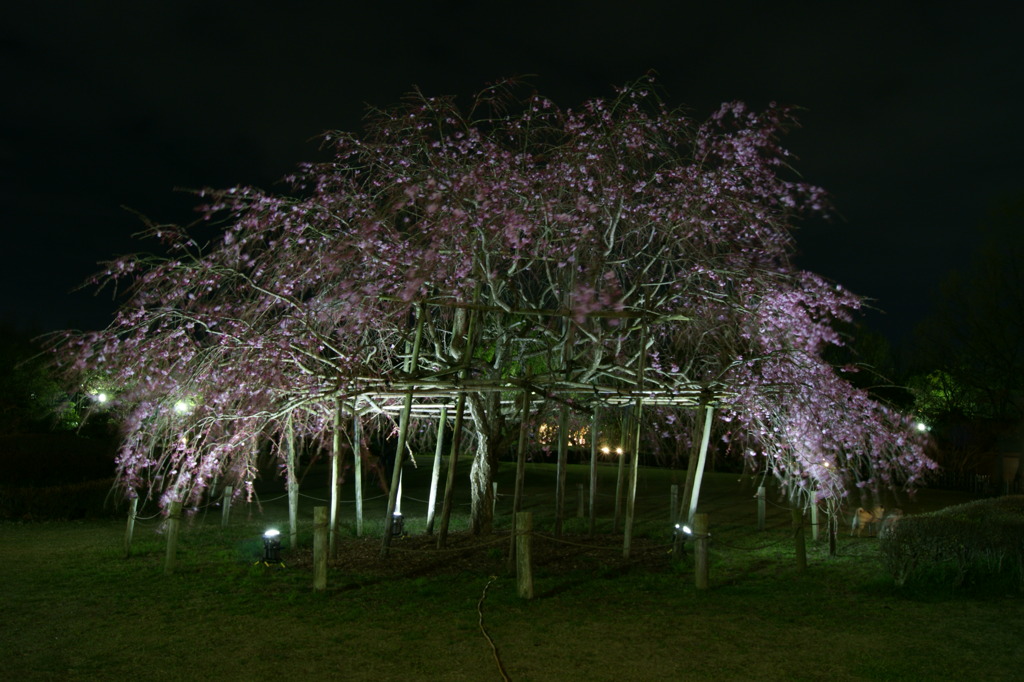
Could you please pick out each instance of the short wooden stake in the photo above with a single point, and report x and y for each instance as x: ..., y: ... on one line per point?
x: 579, y: 501
x: 524, y: 569
x: 760, y: 508
x: 701, y: 542
x: 225, y: 509
x: 173, y: 521
x: 133, y: 506
x: 320, y: 548
x: 494, y: 498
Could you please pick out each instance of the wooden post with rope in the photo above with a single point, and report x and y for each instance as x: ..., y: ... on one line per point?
x: 701, y: 541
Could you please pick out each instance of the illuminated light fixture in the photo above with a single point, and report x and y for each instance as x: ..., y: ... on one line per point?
x: 272, y: 546
x: 181, y: 407
x: 605, y: 450
x: 619, y: 450
x: 921, y: 426
x: 102, y: 398
x: 397, y: 524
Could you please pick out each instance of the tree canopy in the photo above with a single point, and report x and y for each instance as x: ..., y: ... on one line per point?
x: 618, y: 253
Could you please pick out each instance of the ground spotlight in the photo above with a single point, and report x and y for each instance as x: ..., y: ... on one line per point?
x: 272, y: 546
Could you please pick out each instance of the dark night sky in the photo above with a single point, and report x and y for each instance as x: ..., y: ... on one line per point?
x: 912, y: 122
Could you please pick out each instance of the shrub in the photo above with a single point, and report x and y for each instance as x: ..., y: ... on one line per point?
x: 983, y: 537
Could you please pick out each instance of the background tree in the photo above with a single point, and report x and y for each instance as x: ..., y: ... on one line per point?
x: 975, y: 335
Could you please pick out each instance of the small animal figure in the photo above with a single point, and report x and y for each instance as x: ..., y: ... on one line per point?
x: 867, y: 519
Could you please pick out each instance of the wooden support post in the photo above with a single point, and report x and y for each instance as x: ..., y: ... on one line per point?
x: 173, y: 522
x: 814, y: 521
x: 761, y: 509
x: 320, y: 548
x: 701, y: 541
x: 129, y: 532
x: 225, y: 506
x: 799, y: 542
x: 579, y: 501
x: 494, y: 499
x: 357, y: 466
x: 435, y: 472
x: 563, y: 456
x: 634, y: 467
x: 524, y: 568
x: 517, y: 497
x: 832, y: 511
x: 593, y: 473
x: 619, y: 480
x: 673, y: 504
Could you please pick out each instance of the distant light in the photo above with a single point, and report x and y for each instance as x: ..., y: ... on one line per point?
x: 181, y: 407
x: 605, y: 450
x: 921, y: 426
x: 619, y: 451
x: 101, y: 397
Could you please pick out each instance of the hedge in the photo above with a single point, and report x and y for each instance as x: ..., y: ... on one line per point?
x: 976, y: 539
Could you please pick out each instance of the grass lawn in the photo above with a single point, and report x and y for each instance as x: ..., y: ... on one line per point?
x: 74, y: 608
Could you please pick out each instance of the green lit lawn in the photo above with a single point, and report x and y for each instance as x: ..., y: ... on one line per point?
x: 73, y: 608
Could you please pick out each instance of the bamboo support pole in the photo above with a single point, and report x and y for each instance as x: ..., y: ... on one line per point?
x: 403, y: 432
x: 435, y: 471
x: 799, y: 541
x: 357, y: 465
x: 701, y: 460
x: 524, y: 567
x: 129, y: 531
x: 173, y: 523
x: 563, y: 455
x: 225, y: 506
x: 593, y: 473
x: 293, y: 487
x: 453, y: 460
x: 335, y: 471
x: 814, y: 521
x: 634, y: 469
x: 460, y: 410
x: 620, y: 476
x: 517, y: 495
x: 761, y: 508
